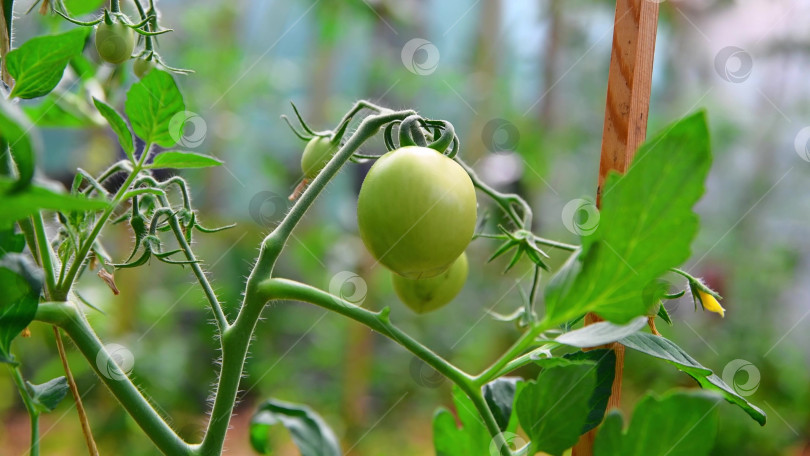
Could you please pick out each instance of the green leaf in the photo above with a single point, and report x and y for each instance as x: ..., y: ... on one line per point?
x: 179, y: 160
x: 309, y: 432
x: 21, y: 283
x: 472, y: 438
x: 646, y: 226
x: 500, y: 397
x: 150, y: 106
x: 678, y: 424
x: 601, y: 333
x: 20, y: 204
x: 63, y: 111
x: 605, y: 360
x: 47, y: 395
x: 119, y: 126
x: 663, y: 348
x: 10, y: 241
x: 81, y: 7
x: 554, y: 409
x: 38, y: 64
x: 15, y: 133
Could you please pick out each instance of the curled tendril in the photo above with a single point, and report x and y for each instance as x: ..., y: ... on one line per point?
x: 444, y: 136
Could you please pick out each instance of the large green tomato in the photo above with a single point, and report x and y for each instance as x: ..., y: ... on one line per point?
x: 416, y: 211
x: 114, y: 42
x: 316, y: 155
x: 426, y: 295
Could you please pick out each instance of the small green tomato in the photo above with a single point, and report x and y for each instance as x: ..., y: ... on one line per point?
x: 114, y: 42
x: 427, y: 295
x: 141, y: 67
x: 316, y: 155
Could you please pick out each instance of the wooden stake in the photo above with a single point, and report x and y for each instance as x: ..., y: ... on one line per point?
x: 626, y: 112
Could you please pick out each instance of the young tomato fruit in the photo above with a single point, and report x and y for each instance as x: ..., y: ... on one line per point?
x: 427, y: 295
x: 416, y: 211
x: 141, y: 67
x: 316, y: 155
x: 114, y: 42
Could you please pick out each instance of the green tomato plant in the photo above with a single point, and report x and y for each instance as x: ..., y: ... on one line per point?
x: 417, y: 213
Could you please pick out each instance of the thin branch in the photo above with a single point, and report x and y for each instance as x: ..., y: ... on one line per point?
x: 77, y: 398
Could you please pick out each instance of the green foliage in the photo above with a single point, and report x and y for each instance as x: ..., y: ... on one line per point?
x: 21, y: 282
x: 645, y: 228
x: 311, y: 434
x: 605, y: 372
x: 601, y: 333
x: 80, y: 7
x: 665, y: 349
x: 19, y: 204
x: 151, y: 104
x: 678, y: 424
x: 178, y: 160
x: 554, y: 409
x: 15, y: 134
x: 451, y: 440
x: 500, y: 396
x: 48, y: 395
x: 38, y: 64
x: 119, y: 126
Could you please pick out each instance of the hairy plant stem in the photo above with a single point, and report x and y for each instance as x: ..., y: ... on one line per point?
x: 219, y: 315
x: 236, y: 339
x: 262, y: 287
x: 33, y: 414
x: 69, y: 318
x: 65, y: 282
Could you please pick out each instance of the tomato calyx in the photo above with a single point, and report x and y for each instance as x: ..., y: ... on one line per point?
x: 524, y: 242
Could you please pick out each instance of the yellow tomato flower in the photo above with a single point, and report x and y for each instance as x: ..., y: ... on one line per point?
x: 710, y: 303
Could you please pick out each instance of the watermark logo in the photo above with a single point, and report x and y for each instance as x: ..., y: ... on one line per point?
x: 266, y: 208
x: 733, y: 64
x: 188, y: 129
x: 580, y: 216
x: 500, y: 135
x: 420, y: 56
x: 750, y: 375
x: 115, y: 361
x: 512, y: 440
x: 348, y: 286
x: 802, y: 144
x: 424, y: 375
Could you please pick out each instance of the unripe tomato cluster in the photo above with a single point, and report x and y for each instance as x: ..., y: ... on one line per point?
x: 416, y: 214
x: 115, y: 42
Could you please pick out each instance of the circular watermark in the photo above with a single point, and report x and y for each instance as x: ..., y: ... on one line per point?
x: 512, y: 440
x: 580, y: 216
x: 802, y: 143
x: 500, y: 135
x: 115, y: 361
x: 424, y: 375
x: 420, y: 56
x: 266, y: 208
x: 733, y: 64
x: 188, y: 129
x: 733, y: 369
x: 348, y: 286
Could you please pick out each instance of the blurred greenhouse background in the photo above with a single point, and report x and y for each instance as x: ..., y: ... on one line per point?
x: 524, y: 83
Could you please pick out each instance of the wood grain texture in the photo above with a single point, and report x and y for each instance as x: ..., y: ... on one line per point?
x: 629, y: 84
x: 625, y: 128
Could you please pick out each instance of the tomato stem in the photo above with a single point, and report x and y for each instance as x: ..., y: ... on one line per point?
x: 67, y: 316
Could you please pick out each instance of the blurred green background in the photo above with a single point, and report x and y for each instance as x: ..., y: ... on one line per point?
x: 524, y: 83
